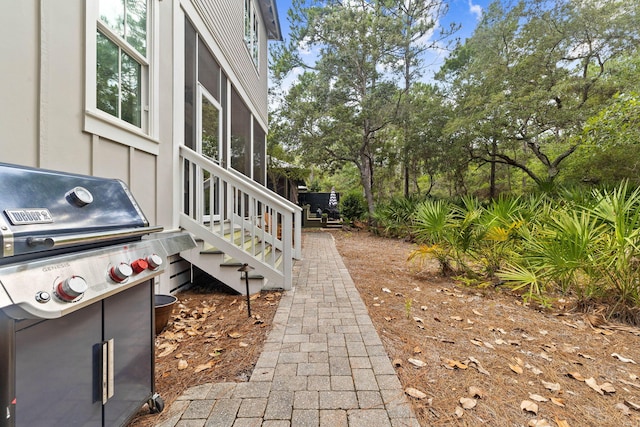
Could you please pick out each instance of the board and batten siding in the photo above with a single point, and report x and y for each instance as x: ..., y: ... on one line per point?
x: 225, y: 22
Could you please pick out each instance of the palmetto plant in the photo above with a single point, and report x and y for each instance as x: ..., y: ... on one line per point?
x: 559, y: 250
x: 396, y: 216
x: 432, y: 227
x: 618, y: 211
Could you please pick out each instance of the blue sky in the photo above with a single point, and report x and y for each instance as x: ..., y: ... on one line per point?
x: 464, y: 12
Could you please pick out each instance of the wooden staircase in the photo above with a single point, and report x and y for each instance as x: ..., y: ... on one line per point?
x: 246, y: 224
x: 224, y: 268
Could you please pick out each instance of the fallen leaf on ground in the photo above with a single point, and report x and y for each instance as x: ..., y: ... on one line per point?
x: 516, y: 368
x: 476, y: 392
x: 234, y: 335
x: 473, y: 362
x: 182, y: 364
x: 204, y: 366
x: 561, y: 423
x: 558, y: 401
x: 546, y: 357
x: 459, y: 412
x: 538, y: 398
x: 168, y: 349
x: 576, y: 376
x: 623, y: 359
x: 387, y: 290
x: 538, y: 423
x: 455, y: 364
x: 623, y: 408
x: 607, y: 388
x: 529, y: 406
x: 591, y: 382
x: 632, y: 405
x: 417, y: 362
x: 458, y: 318
x: 468, y: 403
x: 551, y: 386
x: 414, y: 392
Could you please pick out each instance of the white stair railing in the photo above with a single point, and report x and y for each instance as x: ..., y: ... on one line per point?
x: 226, y: 209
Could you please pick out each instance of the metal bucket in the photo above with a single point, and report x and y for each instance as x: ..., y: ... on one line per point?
x: 163, y: 308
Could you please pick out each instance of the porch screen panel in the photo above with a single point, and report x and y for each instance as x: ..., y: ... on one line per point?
x: 190, y: 78
x: 240, y: 135
x: 259, y: 141
x: 208, y: 71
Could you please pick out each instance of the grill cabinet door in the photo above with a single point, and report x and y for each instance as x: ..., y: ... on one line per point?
x: 128, y: 321
x: 55, y: 370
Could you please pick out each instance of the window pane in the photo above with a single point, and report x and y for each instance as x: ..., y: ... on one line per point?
x: 136, y: 32
x: 210, y: 129
x: 107, y: 76
x: 247, y: 22
x: 112, y: 14
x: 255, y: 40
x: 131, y: 108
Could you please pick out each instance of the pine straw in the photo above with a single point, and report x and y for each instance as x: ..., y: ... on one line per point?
x: 200, y: 327
x: 556, y: 341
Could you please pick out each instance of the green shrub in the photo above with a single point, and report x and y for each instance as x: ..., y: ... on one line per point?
x: 394, y: 218
x: 353, y: 206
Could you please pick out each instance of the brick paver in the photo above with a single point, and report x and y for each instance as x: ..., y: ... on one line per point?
x: 323, y: 363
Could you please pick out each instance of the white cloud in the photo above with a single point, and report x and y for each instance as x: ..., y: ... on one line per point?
x: 475, y: 9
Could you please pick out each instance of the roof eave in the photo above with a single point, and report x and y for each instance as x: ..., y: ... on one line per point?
x: 271, y: 20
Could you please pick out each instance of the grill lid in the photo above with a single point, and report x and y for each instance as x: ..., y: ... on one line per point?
x: 41, y: 210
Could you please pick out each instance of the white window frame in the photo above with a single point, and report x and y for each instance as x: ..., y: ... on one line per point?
x: 103, y: 124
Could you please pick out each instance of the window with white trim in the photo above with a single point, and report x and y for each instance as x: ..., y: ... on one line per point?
x: 251, y: 31
x: 122, y: 64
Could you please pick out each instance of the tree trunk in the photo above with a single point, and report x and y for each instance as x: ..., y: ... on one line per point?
x: 366, y: 177
x: 492, y: 179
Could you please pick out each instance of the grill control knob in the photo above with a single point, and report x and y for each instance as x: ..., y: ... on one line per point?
x: 121, y: 272
x: 43, y: 297
x: 154, y: 261
x: 71, y: 289
x: 139, y: 265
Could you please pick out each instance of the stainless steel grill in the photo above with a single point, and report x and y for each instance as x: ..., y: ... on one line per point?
x: 77, y: 263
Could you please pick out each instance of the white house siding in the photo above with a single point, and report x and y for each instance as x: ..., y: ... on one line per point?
x: 42, y: 107
x: 19, y: 96
x: 225, y: 20
x: 44, y: 73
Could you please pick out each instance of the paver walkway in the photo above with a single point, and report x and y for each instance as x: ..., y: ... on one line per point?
x: 323, y: 363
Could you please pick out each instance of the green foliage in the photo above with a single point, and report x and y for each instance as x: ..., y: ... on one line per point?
x: 587, y: 244
x: 394, y: 217
x: 353, y: 206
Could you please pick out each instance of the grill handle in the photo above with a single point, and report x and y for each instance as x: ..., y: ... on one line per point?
x: 87, y: 238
